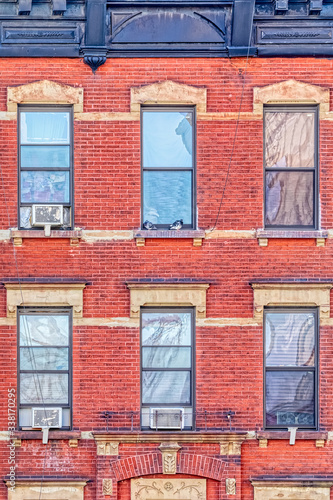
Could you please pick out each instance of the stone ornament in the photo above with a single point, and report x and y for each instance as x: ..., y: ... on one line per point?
x: 180, y: 489
x: 230, y: 486
x: 231, y: 447
x: 107, y: 487
x: 169, y: 457
x: 106, y: 448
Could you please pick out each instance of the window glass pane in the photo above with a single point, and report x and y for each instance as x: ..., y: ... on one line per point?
x: 40, y: 358
x: 44, y: 187
x: 44, y: 127
x: 167, y: 139
x: 166, y: 329
x: 290, y: 339
x: 290, y: 398
x: 166, y: 357
x: 45, y: 156
x: 167, y: 196
x: 44, y: 388
x: 289, y: 139
x: 289, y: 198
x: 166, y: 387
x: 48, y: 330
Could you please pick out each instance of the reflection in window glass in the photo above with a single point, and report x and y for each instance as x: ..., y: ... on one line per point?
x: 45, y: 156
x: 44, y: 127
x: 44, y: 343
x: 44, y: 388
x: 165, y: 388
x: 45, y: 161
x: 168, y: 196
x: 166, y: 358
x: 290, y: 167
x: 167, y: 139
x: 44, y: 187
x: 168, y: 166
x: 290, y: 347
x: 289, y: 139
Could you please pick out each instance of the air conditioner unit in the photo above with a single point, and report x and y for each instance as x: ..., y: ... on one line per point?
x: 166, y: 418
x: 47, y: 216
x: 46, y: 418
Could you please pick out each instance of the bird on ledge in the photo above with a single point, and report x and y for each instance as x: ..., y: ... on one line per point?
x: 178, y: 224
x: 148, y: 225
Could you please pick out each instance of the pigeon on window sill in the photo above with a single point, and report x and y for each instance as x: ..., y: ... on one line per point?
x: 148, y: 225
x: 178, y: 224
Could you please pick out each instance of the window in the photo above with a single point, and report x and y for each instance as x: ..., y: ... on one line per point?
x: 45, y: 162
x: 44, y: 362
x: 168, y: 166
x: 291, y: 164
x: 291, y: 379
x: 167, y: 367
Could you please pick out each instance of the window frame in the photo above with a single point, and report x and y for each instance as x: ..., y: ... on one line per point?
x: 42, y: 311
x: 52, y: 108
x: 167, y: 309
x: 180, y: 109
x: 295, y: 108
x: 314, y: 369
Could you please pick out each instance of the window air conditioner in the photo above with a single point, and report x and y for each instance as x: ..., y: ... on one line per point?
x: 46, y: 418
x: 166, y: 418
x: 47, y: 216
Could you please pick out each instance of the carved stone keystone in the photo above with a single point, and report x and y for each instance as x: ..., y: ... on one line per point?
x: 169, y: 457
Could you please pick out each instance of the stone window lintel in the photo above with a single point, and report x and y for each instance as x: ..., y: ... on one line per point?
x: 291, y: 295
x: 291, y: 92
x: 45, y: 294
x: 169, y: 93
x: 45, y: 92
x: 167, y: 294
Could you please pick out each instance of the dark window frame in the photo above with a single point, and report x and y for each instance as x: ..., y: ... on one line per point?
x: 42, y: 311
x: 294, y: 108
x: 52, y: 109
x: 191, y: 405
x: 314, y: 369
x: 180, y: 109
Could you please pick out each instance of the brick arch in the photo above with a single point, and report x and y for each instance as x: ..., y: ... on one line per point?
x: 192, y: 464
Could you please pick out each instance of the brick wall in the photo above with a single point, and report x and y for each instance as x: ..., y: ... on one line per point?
x: 106, y: 359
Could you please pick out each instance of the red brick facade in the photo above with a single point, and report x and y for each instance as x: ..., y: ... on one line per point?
x: 229, y: 370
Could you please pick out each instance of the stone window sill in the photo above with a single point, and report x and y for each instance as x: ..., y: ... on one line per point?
x: 18, y: 235
x: 196, y: 235
x: 263, y: 235
x: 72, y: 436
x: 318, y: 436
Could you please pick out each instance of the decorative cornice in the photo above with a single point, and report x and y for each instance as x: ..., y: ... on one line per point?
x: 181, y: 437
